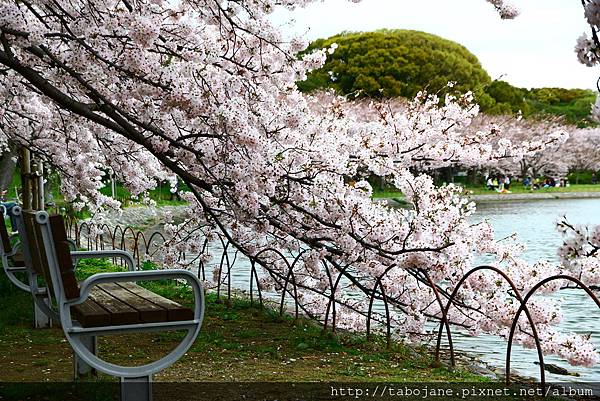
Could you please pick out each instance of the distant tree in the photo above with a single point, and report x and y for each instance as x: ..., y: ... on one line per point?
x: 582, y: 151
x: 572, y: 104
x: 392, y: 63
x: 507, y: 99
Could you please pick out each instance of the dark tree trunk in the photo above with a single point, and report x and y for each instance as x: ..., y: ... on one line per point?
x: 8, y: 163
x: 524, y: 169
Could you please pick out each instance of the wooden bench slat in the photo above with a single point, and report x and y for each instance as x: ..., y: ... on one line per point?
x: 127, y: 303
x: 120, y: 313
x: 148, y: 311
x: 4, y: 237
x: 18, y: 260
x: 175, y: 311
x: 90, y: 314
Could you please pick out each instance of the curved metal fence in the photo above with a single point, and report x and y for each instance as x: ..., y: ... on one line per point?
x: 285, y: 271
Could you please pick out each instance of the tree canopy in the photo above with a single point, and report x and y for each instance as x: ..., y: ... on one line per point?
x: 391, y: 63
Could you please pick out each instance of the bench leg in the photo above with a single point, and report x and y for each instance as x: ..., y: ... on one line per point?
x: 82, y: 369
x: 41, y: 319
x: 136, y: 388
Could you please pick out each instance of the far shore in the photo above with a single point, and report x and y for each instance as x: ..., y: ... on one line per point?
x: 397, y: 199
x: 496, y: 197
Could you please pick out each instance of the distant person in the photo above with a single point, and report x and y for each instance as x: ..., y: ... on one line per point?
x: 549, y: 183
x: 594, y: 179
x: 527, y: 182
x: 490, y: 183
x: 175, y: 192
x: 507, y: 183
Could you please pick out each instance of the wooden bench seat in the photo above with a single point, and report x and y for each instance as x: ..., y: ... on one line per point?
x: 118, y: 304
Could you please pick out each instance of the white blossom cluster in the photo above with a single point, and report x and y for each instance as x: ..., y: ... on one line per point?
x: 506, y: 10
x: 586, y: 50
x: 592, y: 12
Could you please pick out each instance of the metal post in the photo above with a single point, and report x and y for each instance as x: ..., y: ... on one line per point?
x: 81, y: 368
x: 136, y: 388
x: 33, y: 179
x: 40, y: 185
x: 40, y: 319
x: 25, y: 177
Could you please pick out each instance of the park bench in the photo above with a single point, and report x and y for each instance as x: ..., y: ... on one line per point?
x: 108, y: 304
x: 15, y: 259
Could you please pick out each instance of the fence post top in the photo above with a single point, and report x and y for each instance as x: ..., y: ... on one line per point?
x: 41, y: 217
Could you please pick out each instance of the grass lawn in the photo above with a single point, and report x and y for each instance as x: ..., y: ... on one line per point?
x: 239, y: 343
x: 519, y: 189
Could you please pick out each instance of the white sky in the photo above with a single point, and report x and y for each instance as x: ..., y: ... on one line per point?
x: 534, y: 50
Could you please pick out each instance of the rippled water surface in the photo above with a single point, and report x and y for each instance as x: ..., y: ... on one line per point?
x: 535, y: 222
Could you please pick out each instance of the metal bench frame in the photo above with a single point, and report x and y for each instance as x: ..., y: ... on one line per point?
x: 10, y: 270
x: 135, y: 380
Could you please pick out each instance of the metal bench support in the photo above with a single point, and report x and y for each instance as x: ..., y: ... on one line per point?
x: 81, y: 368
x: 40, y: 317
x: 136, y: 388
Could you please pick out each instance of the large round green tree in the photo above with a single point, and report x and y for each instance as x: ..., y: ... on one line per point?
x: 391, y: 63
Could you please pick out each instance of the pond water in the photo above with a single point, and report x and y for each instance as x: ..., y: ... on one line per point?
x: 534, y: 222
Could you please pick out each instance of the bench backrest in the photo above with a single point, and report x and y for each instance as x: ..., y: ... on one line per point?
x: 4, y: 237
x: 50, y: 252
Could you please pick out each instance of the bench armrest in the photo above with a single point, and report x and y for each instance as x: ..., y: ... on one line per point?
x: 144, y: 275
x: 15, y: 248
x: 126, y: 256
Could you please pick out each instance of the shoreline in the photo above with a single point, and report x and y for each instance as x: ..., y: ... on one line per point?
x: 498, y: 197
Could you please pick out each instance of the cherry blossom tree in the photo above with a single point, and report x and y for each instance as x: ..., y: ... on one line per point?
x: 582, y: 150
x: 205, y: 91
x: 545, y: 160
x: 555, y: 148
